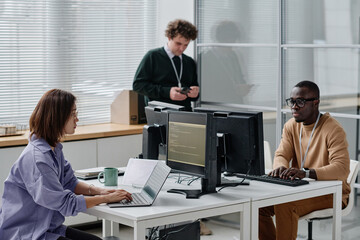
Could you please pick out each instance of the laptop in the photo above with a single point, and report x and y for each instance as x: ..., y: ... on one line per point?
x: 150, y: 190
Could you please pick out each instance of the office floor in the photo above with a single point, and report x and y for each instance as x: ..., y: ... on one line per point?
x: 322, y: 230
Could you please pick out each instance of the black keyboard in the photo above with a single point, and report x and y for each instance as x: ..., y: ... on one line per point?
x: 269, y: 179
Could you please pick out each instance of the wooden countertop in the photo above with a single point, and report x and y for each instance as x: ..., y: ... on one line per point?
x: 115, y: 129
x: 81, y: 133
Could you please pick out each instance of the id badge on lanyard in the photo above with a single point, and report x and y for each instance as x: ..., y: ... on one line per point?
x: 181, y: 71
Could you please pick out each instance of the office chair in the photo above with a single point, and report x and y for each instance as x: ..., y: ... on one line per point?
x: 327, y: 213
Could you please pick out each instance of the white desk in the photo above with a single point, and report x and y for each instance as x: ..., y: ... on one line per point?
x: 174, y: 208
x: 264, y: 194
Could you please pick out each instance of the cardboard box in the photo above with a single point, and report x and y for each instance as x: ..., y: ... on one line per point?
x: 128, y: 108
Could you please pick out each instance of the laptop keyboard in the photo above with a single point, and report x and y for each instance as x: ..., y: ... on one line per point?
x: 138, y: 199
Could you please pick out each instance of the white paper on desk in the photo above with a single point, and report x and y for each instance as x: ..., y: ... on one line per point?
x: 138, y: 171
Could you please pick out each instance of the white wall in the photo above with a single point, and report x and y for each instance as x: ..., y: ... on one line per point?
x: 173, y: 9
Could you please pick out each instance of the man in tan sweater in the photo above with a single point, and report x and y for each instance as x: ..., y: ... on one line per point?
x: 315, y: 146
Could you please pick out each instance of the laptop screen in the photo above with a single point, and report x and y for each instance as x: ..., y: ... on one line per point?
x: 156, y: 180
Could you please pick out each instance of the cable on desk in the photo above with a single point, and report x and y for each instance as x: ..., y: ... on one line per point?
x: 231, y: 185
x: 181, y: 178
x: 239, y: 182
x: 192, y: 180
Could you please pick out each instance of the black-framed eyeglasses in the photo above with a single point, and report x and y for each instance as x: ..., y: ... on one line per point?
x: 300, y: 102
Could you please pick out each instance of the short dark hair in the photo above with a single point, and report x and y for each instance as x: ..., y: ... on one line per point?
x: 51, y: 114
x: 182, y: 27
x: 311, y: 86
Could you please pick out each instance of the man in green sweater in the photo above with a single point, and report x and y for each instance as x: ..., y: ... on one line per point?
x: 316, y: 146
x: 166, y: 74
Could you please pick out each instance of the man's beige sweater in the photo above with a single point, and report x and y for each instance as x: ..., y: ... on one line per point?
x: 328, y: 153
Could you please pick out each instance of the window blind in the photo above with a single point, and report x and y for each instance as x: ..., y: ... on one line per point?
x: 89, y: 47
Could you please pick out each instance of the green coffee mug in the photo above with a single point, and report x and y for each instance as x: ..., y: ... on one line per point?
x: 110, y: 176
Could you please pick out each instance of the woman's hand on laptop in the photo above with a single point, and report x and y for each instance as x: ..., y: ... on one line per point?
x: 104, y: 191
x: 117, y: 195
x: 106, y: 196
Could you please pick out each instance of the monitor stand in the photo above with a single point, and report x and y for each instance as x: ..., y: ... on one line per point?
x: 188, y: 193
x: 206, y: 188
x: 196, y: 193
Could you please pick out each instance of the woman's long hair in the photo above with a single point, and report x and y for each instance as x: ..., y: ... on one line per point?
x: 51, y: 114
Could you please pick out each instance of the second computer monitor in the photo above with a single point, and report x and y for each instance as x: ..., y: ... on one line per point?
x: 240, y: 142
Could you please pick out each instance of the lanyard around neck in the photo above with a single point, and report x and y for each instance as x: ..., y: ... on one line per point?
x: 307, y: 148
x: 176, y: 73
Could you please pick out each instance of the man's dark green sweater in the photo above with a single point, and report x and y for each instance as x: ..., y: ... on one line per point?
x: 155, y: 77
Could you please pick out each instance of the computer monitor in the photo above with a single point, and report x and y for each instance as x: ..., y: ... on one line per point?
x: 240, y: 142
x: 191, y: 149
x: 154, y: 133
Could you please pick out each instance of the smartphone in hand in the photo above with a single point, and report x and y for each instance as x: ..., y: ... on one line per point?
x: 185, y: 90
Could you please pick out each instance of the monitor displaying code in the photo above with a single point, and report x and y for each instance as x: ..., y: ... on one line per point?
x: 187, y: 143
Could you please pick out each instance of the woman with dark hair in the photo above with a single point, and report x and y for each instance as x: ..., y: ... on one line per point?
x: 41, y: 188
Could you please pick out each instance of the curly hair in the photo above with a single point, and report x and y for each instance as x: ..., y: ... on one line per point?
x: 181, y: 27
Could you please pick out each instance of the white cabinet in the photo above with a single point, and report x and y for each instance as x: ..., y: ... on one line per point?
x: 116, y: 151
x: 81, y: 154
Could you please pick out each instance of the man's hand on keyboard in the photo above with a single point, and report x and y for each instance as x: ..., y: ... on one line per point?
x: 286, y: 173
x: 292, y: 173
x: 276, y: 172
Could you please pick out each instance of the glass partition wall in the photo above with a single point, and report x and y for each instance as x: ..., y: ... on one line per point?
x: 251, y: 53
